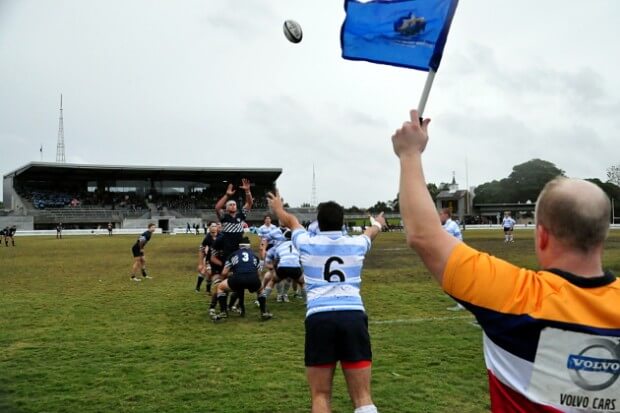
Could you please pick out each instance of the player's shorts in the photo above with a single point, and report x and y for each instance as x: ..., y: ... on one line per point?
x: 216, y: 268
x: 333, y: 336
x: 239, y: 282
x: 294, y: 273
x: 507, y: 229
x: 135, y: 250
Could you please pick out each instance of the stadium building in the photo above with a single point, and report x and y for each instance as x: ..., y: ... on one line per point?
x: 40, y: 195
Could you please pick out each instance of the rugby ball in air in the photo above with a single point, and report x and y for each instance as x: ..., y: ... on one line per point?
x: 292, y: 31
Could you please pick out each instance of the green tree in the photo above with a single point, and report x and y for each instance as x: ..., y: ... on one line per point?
x: 380, y: 206
x: 524, y: 183
x: 612, y: 190
x: 613, y: 174
x: 353, y: 210
x: 433, y: 190
x: 395, y: 203
x: 530, y: 177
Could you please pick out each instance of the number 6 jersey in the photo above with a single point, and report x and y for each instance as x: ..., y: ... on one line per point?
x: 332, y: 265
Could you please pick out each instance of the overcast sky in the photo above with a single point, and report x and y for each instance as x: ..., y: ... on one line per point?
x: 215, y: 83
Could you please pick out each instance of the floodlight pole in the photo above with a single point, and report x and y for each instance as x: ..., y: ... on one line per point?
x: 426, y: 92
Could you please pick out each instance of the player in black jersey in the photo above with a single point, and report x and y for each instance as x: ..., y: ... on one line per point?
x: 244, y: 266
x: 204, y: 257
x: 9, y: 233
x: 231, y: 218
x: 138, y: 254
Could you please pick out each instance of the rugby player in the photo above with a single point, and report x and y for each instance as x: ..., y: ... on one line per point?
x: 9, y: 234
x: 551, y: 335
x: 244, y: 266
x: 336, y: 322
x: 271, y: 235
x: 139, y: 263
x: 508, y: 224
x: 232, y: 220
x: 284, y: 263
x: 453, y: 229
x: 204, y: 257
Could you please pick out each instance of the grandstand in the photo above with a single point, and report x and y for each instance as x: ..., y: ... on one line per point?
x: 40, y: 195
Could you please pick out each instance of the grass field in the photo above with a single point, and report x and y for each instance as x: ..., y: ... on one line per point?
x: 77, y: 336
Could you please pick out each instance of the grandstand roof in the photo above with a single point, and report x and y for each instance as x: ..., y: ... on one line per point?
x: 51, y: 170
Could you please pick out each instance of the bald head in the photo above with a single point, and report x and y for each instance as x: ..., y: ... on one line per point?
x: 575, y: 212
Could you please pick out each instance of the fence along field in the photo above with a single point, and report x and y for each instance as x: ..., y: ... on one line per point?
x: 76, y: 335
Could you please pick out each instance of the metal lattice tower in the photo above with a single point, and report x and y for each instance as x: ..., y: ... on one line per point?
x: 313, y: 200
x: 60, y: 147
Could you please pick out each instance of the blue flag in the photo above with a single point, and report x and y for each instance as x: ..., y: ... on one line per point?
x: 406, y: 33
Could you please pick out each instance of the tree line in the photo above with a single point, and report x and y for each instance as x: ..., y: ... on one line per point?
x: 522, y: 185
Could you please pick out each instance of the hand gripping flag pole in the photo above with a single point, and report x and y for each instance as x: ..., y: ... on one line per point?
x: 405, y: 33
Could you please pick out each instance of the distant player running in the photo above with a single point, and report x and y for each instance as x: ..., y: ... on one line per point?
x: 139, y: 263
x: 508, y: 223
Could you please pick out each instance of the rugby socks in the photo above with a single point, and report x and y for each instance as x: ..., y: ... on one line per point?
x: 266, y: 292
x: 221, y: 298
x: 242, y: 303
x: 199, y: 281
x: 233, y: 299
x: 262, y: 302
x: 208, y: 285
x: 213, y: 301
x: 144, y: 274
x: 369, y: 408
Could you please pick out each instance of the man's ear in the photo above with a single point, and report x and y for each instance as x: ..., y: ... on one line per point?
x: 542, y: 237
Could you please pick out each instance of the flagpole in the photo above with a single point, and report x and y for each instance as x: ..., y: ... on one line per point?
x: 426, y: 92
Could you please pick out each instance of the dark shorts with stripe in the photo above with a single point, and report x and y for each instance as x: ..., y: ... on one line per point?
x: 135, y: 250
x: 333, y: 336
x: 240, y: 282
x: 507, y: 229
x: 294, y: 273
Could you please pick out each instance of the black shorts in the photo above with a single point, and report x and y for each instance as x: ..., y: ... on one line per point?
x: 507, y: 229
x: 333, y: 336
x: 240, y: 282
x: 135, y: 250
x: 216, y: 268
x: 294, y: 273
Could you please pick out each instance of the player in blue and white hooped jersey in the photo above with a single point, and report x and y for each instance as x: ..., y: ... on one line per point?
x: 270, y: 235
x: 508, y: 224
x: 336, y: 322
x: 284, y: 263
x: 139, y: 263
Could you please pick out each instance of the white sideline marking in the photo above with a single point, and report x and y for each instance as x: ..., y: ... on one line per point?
x: 419, y: 320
